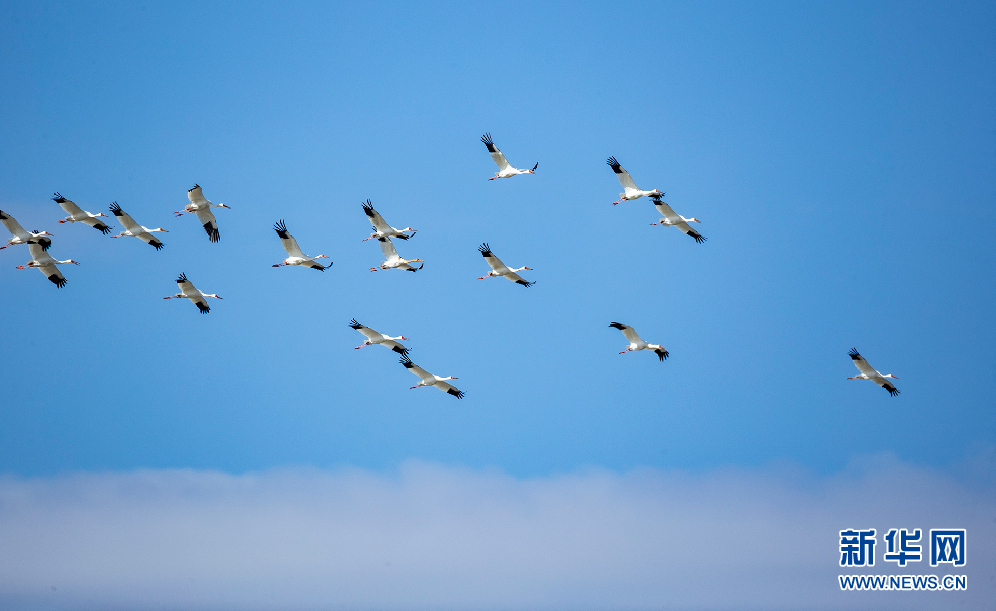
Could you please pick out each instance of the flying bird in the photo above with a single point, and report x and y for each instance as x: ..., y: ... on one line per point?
x: 189, y: 291
x: 383, y: 230
x: 869, y: 373
x: 378, y: 338
x: 500, y: 269
x: 202, y: 208
x: 46, y: 264
x: 505, y: 170
x: 430, y: 380
x: 20, y: 235
x: 631, y: 191
x: 391, y: 258
x: 134, y: 229
x: 294, y: 254
x: 670, y: 218
x: 635, y: 343
x: 77, y: 214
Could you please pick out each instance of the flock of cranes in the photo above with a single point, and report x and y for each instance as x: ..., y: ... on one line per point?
x: 38, y: 243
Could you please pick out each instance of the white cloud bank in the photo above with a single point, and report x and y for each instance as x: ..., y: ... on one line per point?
x: 440, y: 537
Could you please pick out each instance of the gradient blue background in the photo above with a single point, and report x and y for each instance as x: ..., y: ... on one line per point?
x: 840, y: 156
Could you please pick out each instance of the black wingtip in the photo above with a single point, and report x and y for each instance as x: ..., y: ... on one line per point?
x: 181, y: 278
x: 617, y: 325
x: 157, y: 244
x: 485, y: 249
x: 196, y: 186
x: 355, y: 325
x: 57, y: 197
x: 892, y: 391
x: 407, y: 362
x: 662, y: 354
x: 854, y: 354
x: 459, y: 394
x: 104, y: 229
x: 57, y: 281
x: 698, y: 237
x: 486, y: 139
x: 203, y: 307
x: 213, y: 233
x: 116, y: 209
x: 368, y: 208
x: 45, y: 243
x: 400, y: 350
x: 613, y: 164
x: 524, y: 283
x: 535, y: 166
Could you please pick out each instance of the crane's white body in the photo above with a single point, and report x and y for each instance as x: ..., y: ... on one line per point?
x: 431, y: 380
x: 500, y: 269
x: 20, y: 235
x: 391, y: 258
x: 505, y: 169
x: 373, y: 337
x: 202, y: 208
x: 635, y: 343
x: 79, y: 215
x: 630, y: 190
x: 46, y: 264
x: 870, y: 373
x: 381, y: 228
x: 294, y: 254
x: 670, y: 219
x: 189, y: 291
x: 133, y: 229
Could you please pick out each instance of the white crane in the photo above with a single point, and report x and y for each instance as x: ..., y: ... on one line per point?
x: 46, y: 264
x: 383, y: 230
x: 133, y: 229
x: 20, y: 235
x: 189, y: 291
x: 635, y: 343
x: 505, y: 169
x: 670, y: 218
x: 631, y: 191
x: 869, y: 373
x: 374, y: 337
x: 391, y: 258
x: 202, y: 208
x: 294, y: 254
x: 500, y: 269
x: 79, y: 215
x: 430, y: 380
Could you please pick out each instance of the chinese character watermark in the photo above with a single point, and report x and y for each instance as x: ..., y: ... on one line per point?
x: 948, y: 546
x: 903, y: 550
x: 857, y: 547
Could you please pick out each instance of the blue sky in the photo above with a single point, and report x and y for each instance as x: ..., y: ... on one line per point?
x: 839, y: 155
